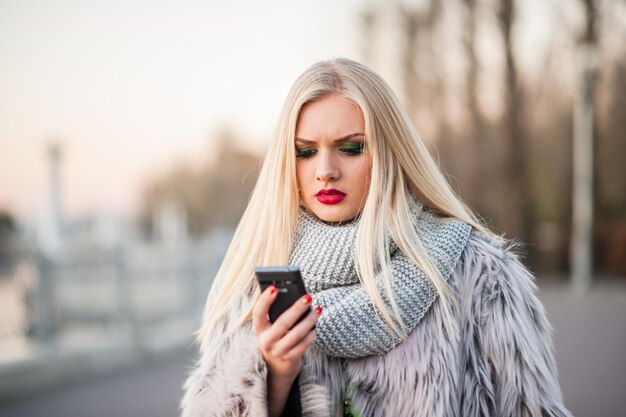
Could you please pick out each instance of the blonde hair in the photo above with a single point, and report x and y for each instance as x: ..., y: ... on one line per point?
x: 402, y: 170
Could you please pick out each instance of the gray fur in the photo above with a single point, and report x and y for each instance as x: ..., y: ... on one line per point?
x: 502, y: 365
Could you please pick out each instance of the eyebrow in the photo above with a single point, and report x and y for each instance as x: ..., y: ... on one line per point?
x: 338, y: 140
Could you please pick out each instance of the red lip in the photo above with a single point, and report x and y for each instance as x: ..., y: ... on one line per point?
x: 330, y: 196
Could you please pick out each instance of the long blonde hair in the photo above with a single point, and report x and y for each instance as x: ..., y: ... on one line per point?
x: 402, y: 169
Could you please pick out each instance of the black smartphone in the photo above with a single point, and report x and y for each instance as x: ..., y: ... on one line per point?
x: 288, y: 283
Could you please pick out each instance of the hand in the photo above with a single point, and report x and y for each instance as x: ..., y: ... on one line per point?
x: 281, y: 343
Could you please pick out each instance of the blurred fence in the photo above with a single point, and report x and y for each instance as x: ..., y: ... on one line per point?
x: 143, y: 297
x: 15, y: 317
x: 128, y: 290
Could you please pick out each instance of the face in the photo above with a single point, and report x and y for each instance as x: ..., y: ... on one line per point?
x: 333, y: 164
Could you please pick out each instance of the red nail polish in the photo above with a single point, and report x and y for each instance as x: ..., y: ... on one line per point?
x: 272, y: 290
x: 308, y: 299
x: 318, y: 309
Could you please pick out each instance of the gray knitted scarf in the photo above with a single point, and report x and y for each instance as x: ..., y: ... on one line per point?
x: 350, y: 327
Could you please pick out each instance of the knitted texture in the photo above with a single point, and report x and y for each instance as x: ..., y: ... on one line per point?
x: 350, y: 326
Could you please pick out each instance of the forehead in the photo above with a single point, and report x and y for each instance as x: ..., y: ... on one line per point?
x: 330, y: 117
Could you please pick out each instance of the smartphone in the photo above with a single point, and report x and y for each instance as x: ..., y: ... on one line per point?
x: 288, y: 283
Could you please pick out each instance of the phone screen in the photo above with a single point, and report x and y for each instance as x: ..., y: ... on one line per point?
x: 288, y: 283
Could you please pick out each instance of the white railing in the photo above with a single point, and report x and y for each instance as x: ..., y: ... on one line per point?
x: 144, y: 296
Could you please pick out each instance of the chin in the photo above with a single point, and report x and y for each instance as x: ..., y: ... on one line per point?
x: 333, y: 214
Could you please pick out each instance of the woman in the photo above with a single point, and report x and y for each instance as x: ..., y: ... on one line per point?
x: 420, y: 310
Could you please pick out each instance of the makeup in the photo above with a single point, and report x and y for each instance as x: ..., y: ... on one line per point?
x: 333, y: 162
x: 330, y: 196
x: 352, y: 149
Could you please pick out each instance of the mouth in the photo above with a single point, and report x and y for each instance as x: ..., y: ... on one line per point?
x: 330, y: 196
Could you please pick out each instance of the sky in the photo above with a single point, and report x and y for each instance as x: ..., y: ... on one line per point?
x: 129, y: 88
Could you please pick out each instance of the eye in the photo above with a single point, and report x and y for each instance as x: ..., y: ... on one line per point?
x: 352, y: 148
x: 305, y: 152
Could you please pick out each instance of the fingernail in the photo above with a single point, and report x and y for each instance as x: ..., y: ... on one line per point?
x: 272, y: 290
x: 307, y: 299
x: 318, y: 309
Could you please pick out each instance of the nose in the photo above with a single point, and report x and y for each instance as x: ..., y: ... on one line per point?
x: 327, y: 168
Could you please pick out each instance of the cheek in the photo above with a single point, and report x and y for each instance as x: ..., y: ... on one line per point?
x: 361, y: 180
x: 365, y: 175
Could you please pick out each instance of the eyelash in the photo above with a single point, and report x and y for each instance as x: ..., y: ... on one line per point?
x: 306, y: 152
x: 350, y: 149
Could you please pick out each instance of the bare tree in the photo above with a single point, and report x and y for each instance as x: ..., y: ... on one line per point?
x: 475, y: 134
x: 582, y: 205
x: 519, y: 207
x: 422, y: 67
x: 215, y: 196
x: 411, y: 21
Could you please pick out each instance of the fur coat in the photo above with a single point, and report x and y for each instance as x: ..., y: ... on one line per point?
x: 501, y: 363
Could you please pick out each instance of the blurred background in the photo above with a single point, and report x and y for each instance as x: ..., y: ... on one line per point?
x: 131, y: 134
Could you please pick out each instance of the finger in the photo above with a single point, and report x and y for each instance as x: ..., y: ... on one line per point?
x: 260, y: 321
x: 297, y: 333
x: 286, y: 320
x: 289, y: 317
x: 299, y: 349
